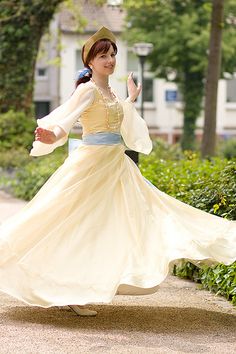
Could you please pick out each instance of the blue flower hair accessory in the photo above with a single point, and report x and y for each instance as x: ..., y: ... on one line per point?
x: 86, y: 72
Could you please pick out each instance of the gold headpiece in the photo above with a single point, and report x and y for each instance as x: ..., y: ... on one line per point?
x: 102, y: 33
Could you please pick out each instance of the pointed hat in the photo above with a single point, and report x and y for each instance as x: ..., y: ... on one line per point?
x: 102, y: 33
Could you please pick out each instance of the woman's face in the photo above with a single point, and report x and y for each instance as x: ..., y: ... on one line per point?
x: 104, y: 63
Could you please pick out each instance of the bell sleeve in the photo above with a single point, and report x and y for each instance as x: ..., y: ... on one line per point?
x: 64, y: 116
x: 134, y: 129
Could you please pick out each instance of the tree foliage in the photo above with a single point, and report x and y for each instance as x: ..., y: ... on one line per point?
x: 22, y: 24
x: 179, y: 30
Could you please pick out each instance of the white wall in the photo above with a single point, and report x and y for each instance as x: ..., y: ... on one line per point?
x: 68, y: 65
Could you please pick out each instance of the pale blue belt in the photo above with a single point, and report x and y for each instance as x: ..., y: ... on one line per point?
x: 96, y: 139
x: 102, y: 139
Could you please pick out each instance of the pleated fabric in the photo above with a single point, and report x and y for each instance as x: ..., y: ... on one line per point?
x: 98, y: 228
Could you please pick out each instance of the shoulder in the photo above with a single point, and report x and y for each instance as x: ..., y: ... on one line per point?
x: 86, y: 88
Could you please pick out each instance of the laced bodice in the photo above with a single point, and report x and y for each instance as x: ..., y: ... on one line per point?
x: 103, y: 115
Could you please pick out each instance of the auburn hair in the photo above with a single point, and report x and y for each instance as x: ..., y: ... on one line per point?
x: 102, y: 46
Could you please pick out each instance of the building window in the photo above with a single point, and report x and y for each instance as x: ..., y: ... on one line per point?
x: 231, y: 90
x: 148, y: 89
x: 133, y: 65
x: 41, y: 73
x: 172, y: 96
x: 42, y: 108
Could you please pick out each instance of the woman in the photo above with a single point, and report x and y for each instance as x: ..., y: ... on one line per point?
x: 97, y: 228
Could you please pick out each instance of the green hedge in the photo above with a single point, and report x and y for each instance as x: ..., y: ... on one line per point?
x: 27, y: 174
x: 13, y: 158
x: 228, y: 148
x: 220, y: 279
x: 209, y: 185
x: 30, y: 179
x: 16, y: 130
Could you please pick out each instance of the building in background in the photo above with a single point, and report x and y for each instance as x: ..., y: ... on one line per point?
x: 47, y: 73
x: 163, y: 106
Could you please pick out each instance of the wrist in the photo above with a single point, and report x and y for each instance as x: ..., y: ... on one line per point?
x: 131, y: 99
x: 58, y: 133
x: 54, y: 138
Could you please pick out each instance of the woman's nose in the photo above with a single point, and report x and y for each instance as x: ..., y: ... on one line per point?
x: 111, y: 59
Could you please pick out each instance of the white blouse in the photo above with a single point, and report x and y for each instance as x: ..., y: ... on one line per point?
x: 133, y: 128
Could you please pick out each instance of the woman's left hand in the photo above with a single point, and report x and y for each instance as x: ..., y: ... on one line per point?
x: 133, y: 89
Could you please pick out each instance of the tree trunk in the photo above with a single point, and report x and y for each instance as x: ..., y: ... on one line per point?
x: 213, y: 74
x: 192, y: 90
x: 22, y: 24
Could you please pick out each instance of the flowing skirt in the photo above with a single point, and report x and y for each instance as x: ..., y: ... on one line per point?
x: 98, y: 228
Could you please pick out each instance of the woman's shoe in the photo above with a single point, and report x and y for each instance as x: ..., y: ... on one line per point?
x: 82, y: 311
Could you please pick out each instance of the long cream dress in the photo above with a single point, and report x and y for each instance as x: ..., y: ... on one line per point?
x: 97, y: 228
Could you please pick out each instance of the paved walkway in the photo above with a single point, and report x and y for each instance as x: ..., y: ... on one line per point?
x: 179, y: 318
x: 9, y: 205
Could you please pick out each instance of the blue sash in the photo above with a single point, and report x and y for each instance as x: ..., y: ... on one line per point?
x: 102, y: 139
x: 105, y: 138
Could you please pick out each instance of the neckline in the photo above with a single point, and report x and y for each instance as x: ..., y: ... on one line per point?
x: 105, y: 98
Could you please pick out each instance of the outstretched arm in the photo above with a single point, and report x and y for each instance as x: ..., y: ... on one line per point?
x: 133, y: 89
x: 53, y: 129
x: 134, y: 129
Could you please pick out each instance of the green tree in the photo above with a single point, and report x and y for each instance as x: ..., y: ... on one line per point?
x: 22, y: 24
x: 179, y: 30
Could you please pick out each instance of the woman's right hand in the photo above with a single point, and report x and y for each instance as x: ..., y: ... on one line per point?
x: 45, y: 136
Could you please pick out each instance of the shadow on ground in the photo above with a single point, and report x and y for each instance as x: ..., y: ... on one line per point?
x: 132, y: 318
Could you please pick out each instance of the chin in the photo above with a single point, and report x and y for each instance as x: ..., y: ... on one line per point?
x: 110, y: 70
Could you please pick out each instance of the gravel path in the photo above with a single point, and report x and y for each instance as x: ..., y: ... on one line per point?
x: 179, y: 318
